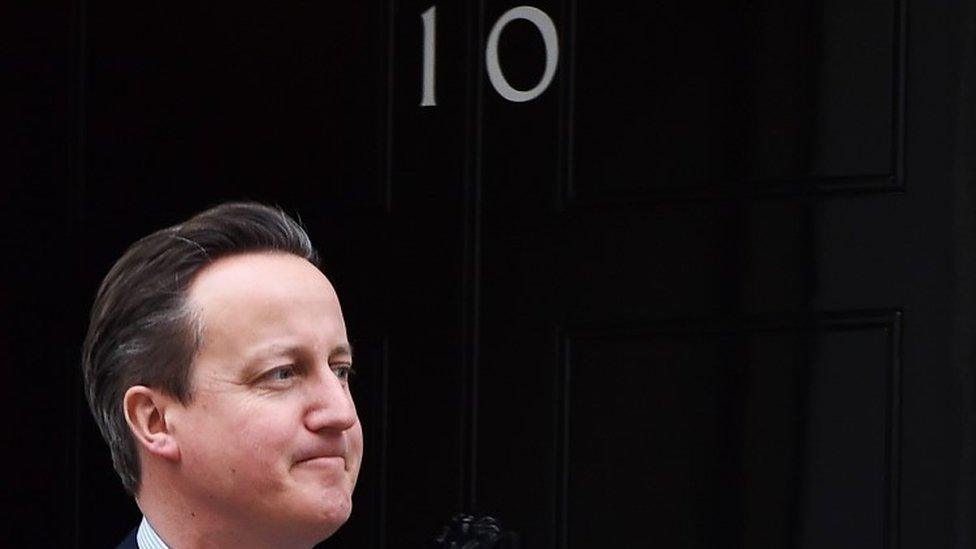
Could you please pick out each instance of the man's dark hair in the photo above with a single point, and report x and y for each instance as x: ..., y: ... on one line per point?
x: 142, y: 331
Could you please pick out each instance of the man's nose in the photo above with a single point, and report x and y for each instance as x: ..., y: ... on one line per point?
x: 330, y: 404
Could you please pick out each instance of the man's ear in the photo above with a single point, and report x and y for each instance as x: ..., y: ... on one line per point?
x: 145, y: 412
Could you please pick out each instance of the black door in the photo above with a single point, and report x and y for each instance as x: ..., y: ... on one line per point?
x: 720, y: 271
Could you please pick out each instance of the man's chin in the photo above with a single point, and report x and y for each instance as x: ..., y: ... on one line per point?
x: 331, y: 512
x: 330, y: 523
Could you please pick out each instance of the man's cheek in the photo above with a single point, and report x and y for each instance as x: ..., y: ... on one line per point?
x: 260, y: 450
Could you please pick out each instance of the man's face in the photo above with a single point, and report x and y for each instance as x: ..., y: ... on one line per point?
x: 270, y: 440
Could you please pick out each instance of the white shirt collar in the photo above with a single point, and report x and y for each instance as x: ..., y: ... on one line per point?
x: 147, y: 538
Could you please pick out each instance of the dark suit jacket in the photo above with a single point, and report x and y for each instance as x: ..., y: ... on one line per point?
x: 130, y: 541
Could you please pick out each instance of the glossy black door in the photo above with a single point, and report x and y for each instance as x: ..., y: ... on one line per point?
x: 718, y: 284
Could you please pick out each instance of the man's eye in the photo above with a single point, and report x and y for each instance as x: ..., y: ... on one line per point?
x: 284, y: 373
x: 343, y: 371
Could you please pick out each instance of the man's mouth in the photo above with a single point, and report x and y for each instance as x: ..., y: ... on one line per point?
x: 323, y: 461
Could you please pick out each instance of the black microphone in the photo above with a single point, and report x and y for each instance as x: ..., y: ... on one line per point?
x: 470, y: 532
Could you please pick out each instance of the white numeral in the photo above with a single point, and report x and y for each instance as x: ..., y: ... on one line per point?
x: 548, y: 30
x: 430, y: 36
x: 533, y: 15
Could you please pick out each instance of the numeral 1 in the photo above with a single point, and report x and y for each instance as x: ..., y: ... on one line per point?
x: 429, y: 18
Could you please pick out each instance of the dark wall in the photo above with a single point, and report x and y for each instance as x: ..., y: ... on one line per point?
x: 711, y: 286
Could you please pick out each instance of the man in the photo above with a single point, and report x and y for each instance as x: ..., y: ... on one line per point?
x: 216, y: 366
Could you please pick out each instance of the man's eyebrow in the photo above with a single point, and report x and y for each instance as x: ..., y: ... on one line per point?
x: 276, y: 349
x: 344, y: 349
x: 272, y: 349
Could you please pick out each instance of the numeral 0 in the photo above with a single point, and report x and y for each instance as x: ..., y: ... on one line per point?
x: 533, y: 15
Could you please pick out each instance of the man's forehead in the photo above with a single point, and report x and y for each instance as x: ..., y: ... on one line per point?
x: 265, y: 271
x: 266, y: 299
